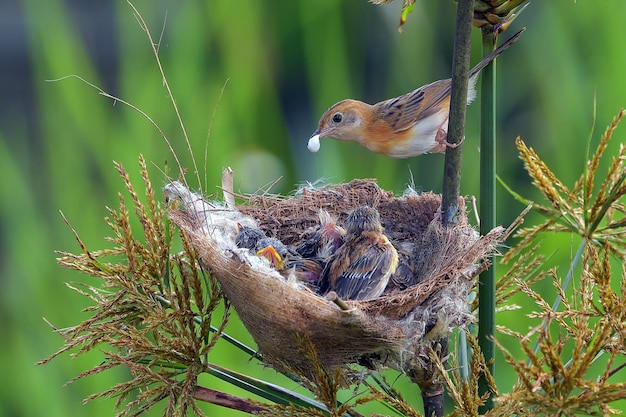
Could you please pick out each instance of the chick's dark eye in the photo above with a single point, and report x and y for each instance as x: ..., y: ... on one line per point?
x: 337, y: 117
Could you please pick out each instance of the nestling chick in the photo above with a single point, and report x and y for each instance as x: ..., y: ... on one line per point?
x: 360, y: 269
x: 404, y: 275
x: 325, y: 240
x: 287, y: 261
x: 248, y: 237
x: 275, y: 251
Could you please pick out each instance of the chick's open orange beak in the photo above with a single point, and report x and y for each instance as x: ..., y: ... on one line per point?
x: 273, y: 256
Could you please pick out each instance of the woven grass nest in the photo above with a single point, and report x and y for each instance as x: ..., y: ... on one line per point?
x: 395, y: 330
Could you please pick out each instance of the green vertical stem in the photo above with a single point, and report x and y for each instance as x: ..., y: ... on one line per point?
x: 487, y: 281
x: 458, y: 110
x: 432, y: 387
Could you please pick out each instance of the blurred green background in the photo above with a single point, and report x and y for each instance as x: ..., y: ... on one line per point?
x: 280, y: 65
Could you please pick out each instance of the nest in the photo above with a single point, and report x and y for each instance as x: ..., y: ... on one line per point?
x: 395, y: 330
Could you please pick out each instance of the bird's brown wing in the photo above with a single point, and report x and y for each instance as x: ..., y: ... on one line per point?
x: 361, y: 277
x: 403, y: 112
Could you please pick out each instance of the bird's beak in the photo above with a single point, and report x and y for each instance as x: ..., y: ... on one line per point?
x: 273, y: 256
x: 314, y: 142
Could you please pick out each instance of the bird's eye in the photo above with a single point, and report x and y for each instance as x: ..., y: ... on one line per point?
x: 337, y: 117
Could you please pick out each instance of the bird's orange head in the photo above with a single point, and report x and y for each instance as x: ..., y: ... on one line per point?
x: 343, y: 121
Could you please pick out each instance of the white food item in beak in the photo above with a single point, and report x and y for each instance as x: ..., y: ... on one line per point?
x: 314, y: 143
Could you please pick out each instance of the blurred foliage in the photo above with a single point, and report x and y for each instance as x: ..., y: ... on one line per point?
x: 257, y: 75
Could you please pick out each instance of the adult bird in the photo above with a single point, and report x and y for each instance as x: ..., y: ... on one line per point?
x: 401, y: 127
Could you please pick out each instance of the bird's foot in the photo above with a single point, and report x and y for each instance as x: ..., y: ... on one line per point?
x: 441, y: 138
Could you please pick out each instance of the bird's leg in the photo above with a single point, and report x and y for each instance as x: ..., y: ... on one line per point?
x: 441, y: 136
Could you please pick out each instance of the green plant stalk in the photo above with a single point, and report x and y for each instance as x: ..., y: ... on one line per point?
x: 264, y: 389
x: 458, y: 110
x: 433, y: 398
x: 487, y: 280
